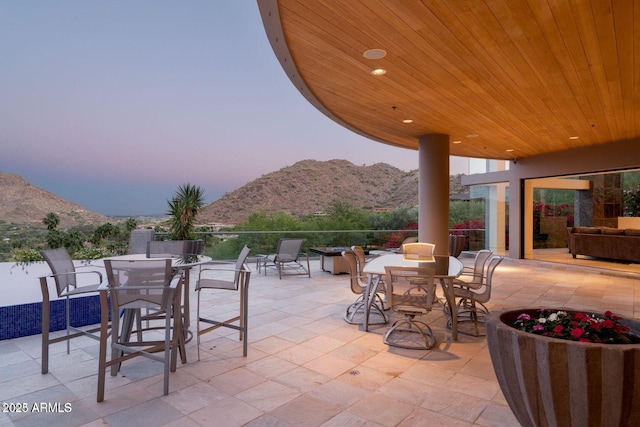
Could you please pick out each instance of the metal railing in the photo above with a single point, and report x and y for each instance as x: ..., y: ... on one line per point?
x: 227, y: 244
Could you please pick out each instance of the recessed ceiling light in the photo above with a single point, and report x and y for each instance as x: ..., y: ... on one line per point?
x: 378, y: 72
x: 457, y: 142
x: 473, y: 135
x: 407, y: 121
x: 509, y: 150
x: 374, y: 54
x: 574, y: 137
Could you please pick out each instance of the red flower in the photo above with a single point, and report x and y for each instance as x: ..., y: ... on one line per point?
x: 558, y: 329
x: 577, y: 332
x: 621, y: 329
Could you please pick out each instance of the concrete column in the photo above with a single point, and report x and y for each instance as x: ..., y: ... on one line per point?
x: 433, y: 191
x: 495, y: 222
x: 516, y: 227
x: 527, y: 219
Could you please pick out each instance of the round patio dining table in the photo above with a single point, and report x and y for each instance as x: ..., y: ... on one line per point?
x: 447, y: 269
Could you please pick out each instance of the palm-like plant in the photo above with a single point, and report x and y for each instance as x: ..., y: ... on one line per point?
x: 183, y: 209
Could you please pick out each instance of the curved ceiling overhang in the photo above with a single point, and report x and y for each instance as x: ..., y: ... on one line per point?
x: 503, y: 78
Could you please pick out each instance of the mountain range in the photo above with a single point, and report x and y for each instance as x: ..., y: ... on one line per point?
x: 304, y: 188
x: 24, y: 203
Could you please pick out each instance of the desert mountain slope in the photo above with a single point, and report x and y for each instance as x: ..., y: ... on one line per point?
x: 302, y: 189
x: 310, y: 186
x: 24, y: 203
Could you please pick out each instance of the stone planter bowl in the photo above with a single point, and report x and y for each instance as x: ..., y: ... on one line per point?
x: 554, y: 382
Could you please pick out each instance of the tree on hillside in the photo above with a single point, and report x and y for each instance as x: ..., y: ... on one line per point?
x: 72, y: 240
x: 130, y: 225
x: 51, y: 221
x: 183, y: 209
x: 54, y: 236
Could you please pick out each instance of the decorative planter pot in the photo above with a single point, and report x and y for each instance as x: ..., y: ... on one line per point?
x: 555, y: 382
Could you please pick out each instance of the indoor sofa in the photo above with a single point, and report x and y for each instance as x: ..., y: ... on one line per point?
x: 605, y: 242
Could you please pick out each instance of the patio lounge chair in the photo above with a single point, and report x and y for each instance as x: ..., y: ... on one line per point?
x: 287, y: 259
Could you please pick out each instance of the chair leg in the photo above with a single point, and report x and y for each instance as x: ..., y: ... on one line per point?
x: 470, y: 310
x: 241, y: 317
x: 198, y: 325
x: 46, y: 312
x: 116, y: 335
x: 177, y: 343
x: 139, y: 323
x: 351, y: 312
x: 104, y: 335
x: 359, y: 305
x: 68, y: 322
x: 168, y: 350
x: 413, y: 326
x: 244, y: 318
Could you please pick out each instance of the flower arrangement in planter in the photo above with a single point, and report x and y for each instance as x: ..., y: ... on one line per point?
x: 577, y: 326
x: 562, y: 367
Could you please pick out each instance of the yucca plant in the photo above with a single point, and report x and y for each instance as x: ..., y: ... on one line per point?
x: 183, y: 209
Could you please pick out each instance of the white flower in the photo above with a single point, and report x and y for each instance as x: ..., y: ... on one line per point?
x: 553, y: 317
x: 542, y: 320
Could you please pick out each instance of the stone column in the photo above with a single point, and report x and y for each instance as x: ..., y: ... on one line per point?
x: 433, y: 191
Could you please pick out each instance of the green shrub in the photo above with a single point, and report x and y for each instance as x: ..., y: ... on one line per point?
x: 26, y: 255
x: 94, y: 253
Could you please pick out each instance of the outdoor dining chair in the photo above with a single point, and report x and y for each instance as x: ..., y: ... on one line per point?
x: 473, y: 276
x: 410, y: 291
x: 457, y: 243
x: 68, y: 284
x: 174, y: 248
x: 132, y: 286
x: 471, y: 301
x: 410, y: 239
x: 358, y: 282
x: 138, y: 240
x: 418, y: 251
x: 178, y: 249
x: 361, y: 257
x: 216, y: 275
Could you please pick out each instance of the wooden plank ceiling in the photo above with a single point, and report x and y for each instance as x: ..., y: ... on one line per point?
x: 506, y: 78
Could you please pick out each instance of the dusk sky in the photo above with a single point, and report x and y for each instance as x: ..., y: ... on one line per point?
x: 115, y: 104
